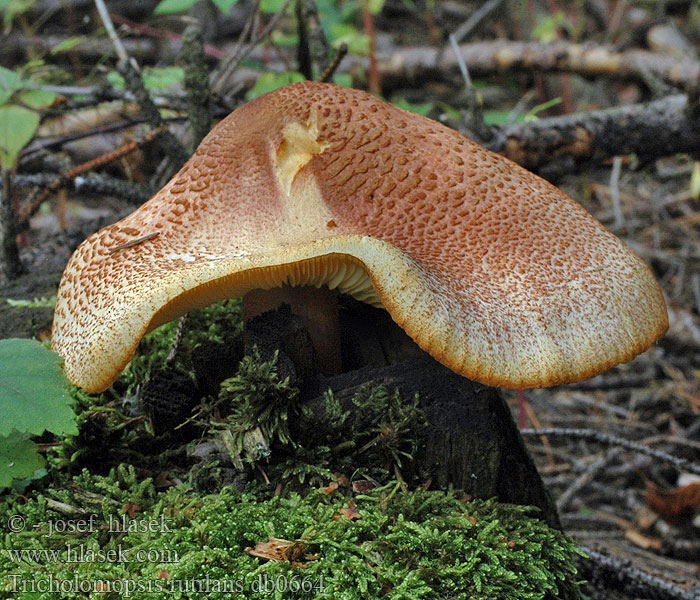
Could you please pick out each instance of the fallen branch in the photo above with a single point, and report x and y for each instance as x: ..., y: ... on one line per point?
x: 505, y: 56
x: 596, y: 436
x: 34, y: 202
x: 650, y: 130
x: 616, y: 573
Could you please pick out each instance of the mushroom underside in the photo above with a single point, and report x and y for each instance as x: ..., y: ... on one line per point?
x: 534, y: 346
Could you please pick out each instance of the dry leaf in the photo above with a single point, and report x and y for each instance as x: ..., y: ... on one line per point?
x: 330, y: 488
x: 130, y: 509
x: 643, y: 541
x: 162, y: 481
x: 673, y: 505
x: 350, y: 512
x: 361, y: 486
x: 281, y: 551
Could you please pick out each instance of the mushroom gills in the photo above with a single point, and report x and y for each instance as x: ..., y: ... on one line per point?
x: 347, y: 276
x: 337, y: 271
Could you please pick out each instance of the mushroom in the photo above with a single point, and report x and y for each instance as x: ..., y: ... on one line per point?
x: 490, y: 269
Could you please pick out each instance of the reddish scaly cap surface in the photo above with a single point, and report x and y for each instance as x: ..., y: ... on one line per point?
x: 492, y: 270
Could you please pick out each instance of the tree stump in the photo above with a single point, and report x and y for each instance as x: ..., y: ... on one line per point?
x: 473, y: 443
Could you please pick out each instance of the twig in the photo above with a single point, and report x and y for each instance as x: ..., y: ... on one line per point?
x: 140, y: 28
x: 615, y: 193
x: 476, y: 118
x: 471, y: 23
x: 303, y: 10
x: 617, y: 574
x: 586, y: 477
x: 591, y: 434
x: 40, y: 145
x: 650, y: 130
x: 111, y: 186
x: 34, y: 202
x: 337, y: 59
x: 504, y: 56
x: 374, y: 85
x: 312, y: 47
x: 171, y: 145
x: 91, y: 182
x: 245, y: 33
x: 695, y: 288
x: 231, y: 64
x: 112, y: 33
x: 617, y: 381
x: 134, y: 242
x: 129, y: 69
x: 177, y: 340
x: 460, y: 61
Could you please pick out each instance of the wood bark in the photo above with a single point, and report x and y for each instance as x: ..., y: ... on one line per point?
x: 473, y: 443
x: 505, y: 56
x: 10, y: 265
x: 565, y: 144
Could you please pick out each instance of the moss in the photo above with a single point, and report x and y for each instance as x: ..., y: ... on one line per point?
x: 256, y: 397
x: 404, y: 544
x: 111, y: 427
x: 397, y: 545
x: 220, y: 322
x: 382, y: 431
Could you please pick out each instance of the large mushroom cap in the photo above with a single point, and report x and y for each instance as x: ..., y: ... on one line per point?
x: 490, y: 269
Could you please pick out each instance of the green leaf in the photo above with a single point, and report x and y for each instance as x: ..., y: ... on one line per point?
x: 546, y: 29
x: 33, y: 390
x: 271, y: 81
x: 159, y: 78
x: 9, y: 79
x: 344, y: 79
x: 168, y: 7
x: 375, y: 6
x: 532, y: 113
x: 68, y: 44
x: 419, y: 108
x: 19, y: 458
x: 115, y: 80
x: 10, y: 82
x: 224, y: 5
x: 17, y: 127
x: 42, y: 302
x: 156, y: 78
x: 284, y: 39
x: 37, y: 98
x: 695, y: 181
x: 496, y: 117
x: 9, y: 9
x: 270, y: 6
x: 358, y: 42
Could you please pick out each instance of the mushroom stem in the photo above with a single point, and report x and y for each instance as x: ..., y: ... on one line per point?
x: 318, y: 309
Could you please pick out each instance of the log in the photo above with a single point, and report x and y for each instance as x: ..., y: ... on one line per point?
x: 566, y: 144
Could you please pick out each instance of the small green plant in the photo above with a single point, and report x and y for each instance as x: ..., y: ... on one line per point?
x: 267, y: 82
x: 167, y: 7
x: 154, y: 78
x: 257, y: 397
x: 42, y: 302
x: 546, y: 30
x: 34, y: 398
x: 20, y: 99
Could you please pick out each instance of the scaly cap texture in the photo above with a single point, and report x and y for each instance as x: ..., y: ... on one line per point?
x: 492, y: 270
